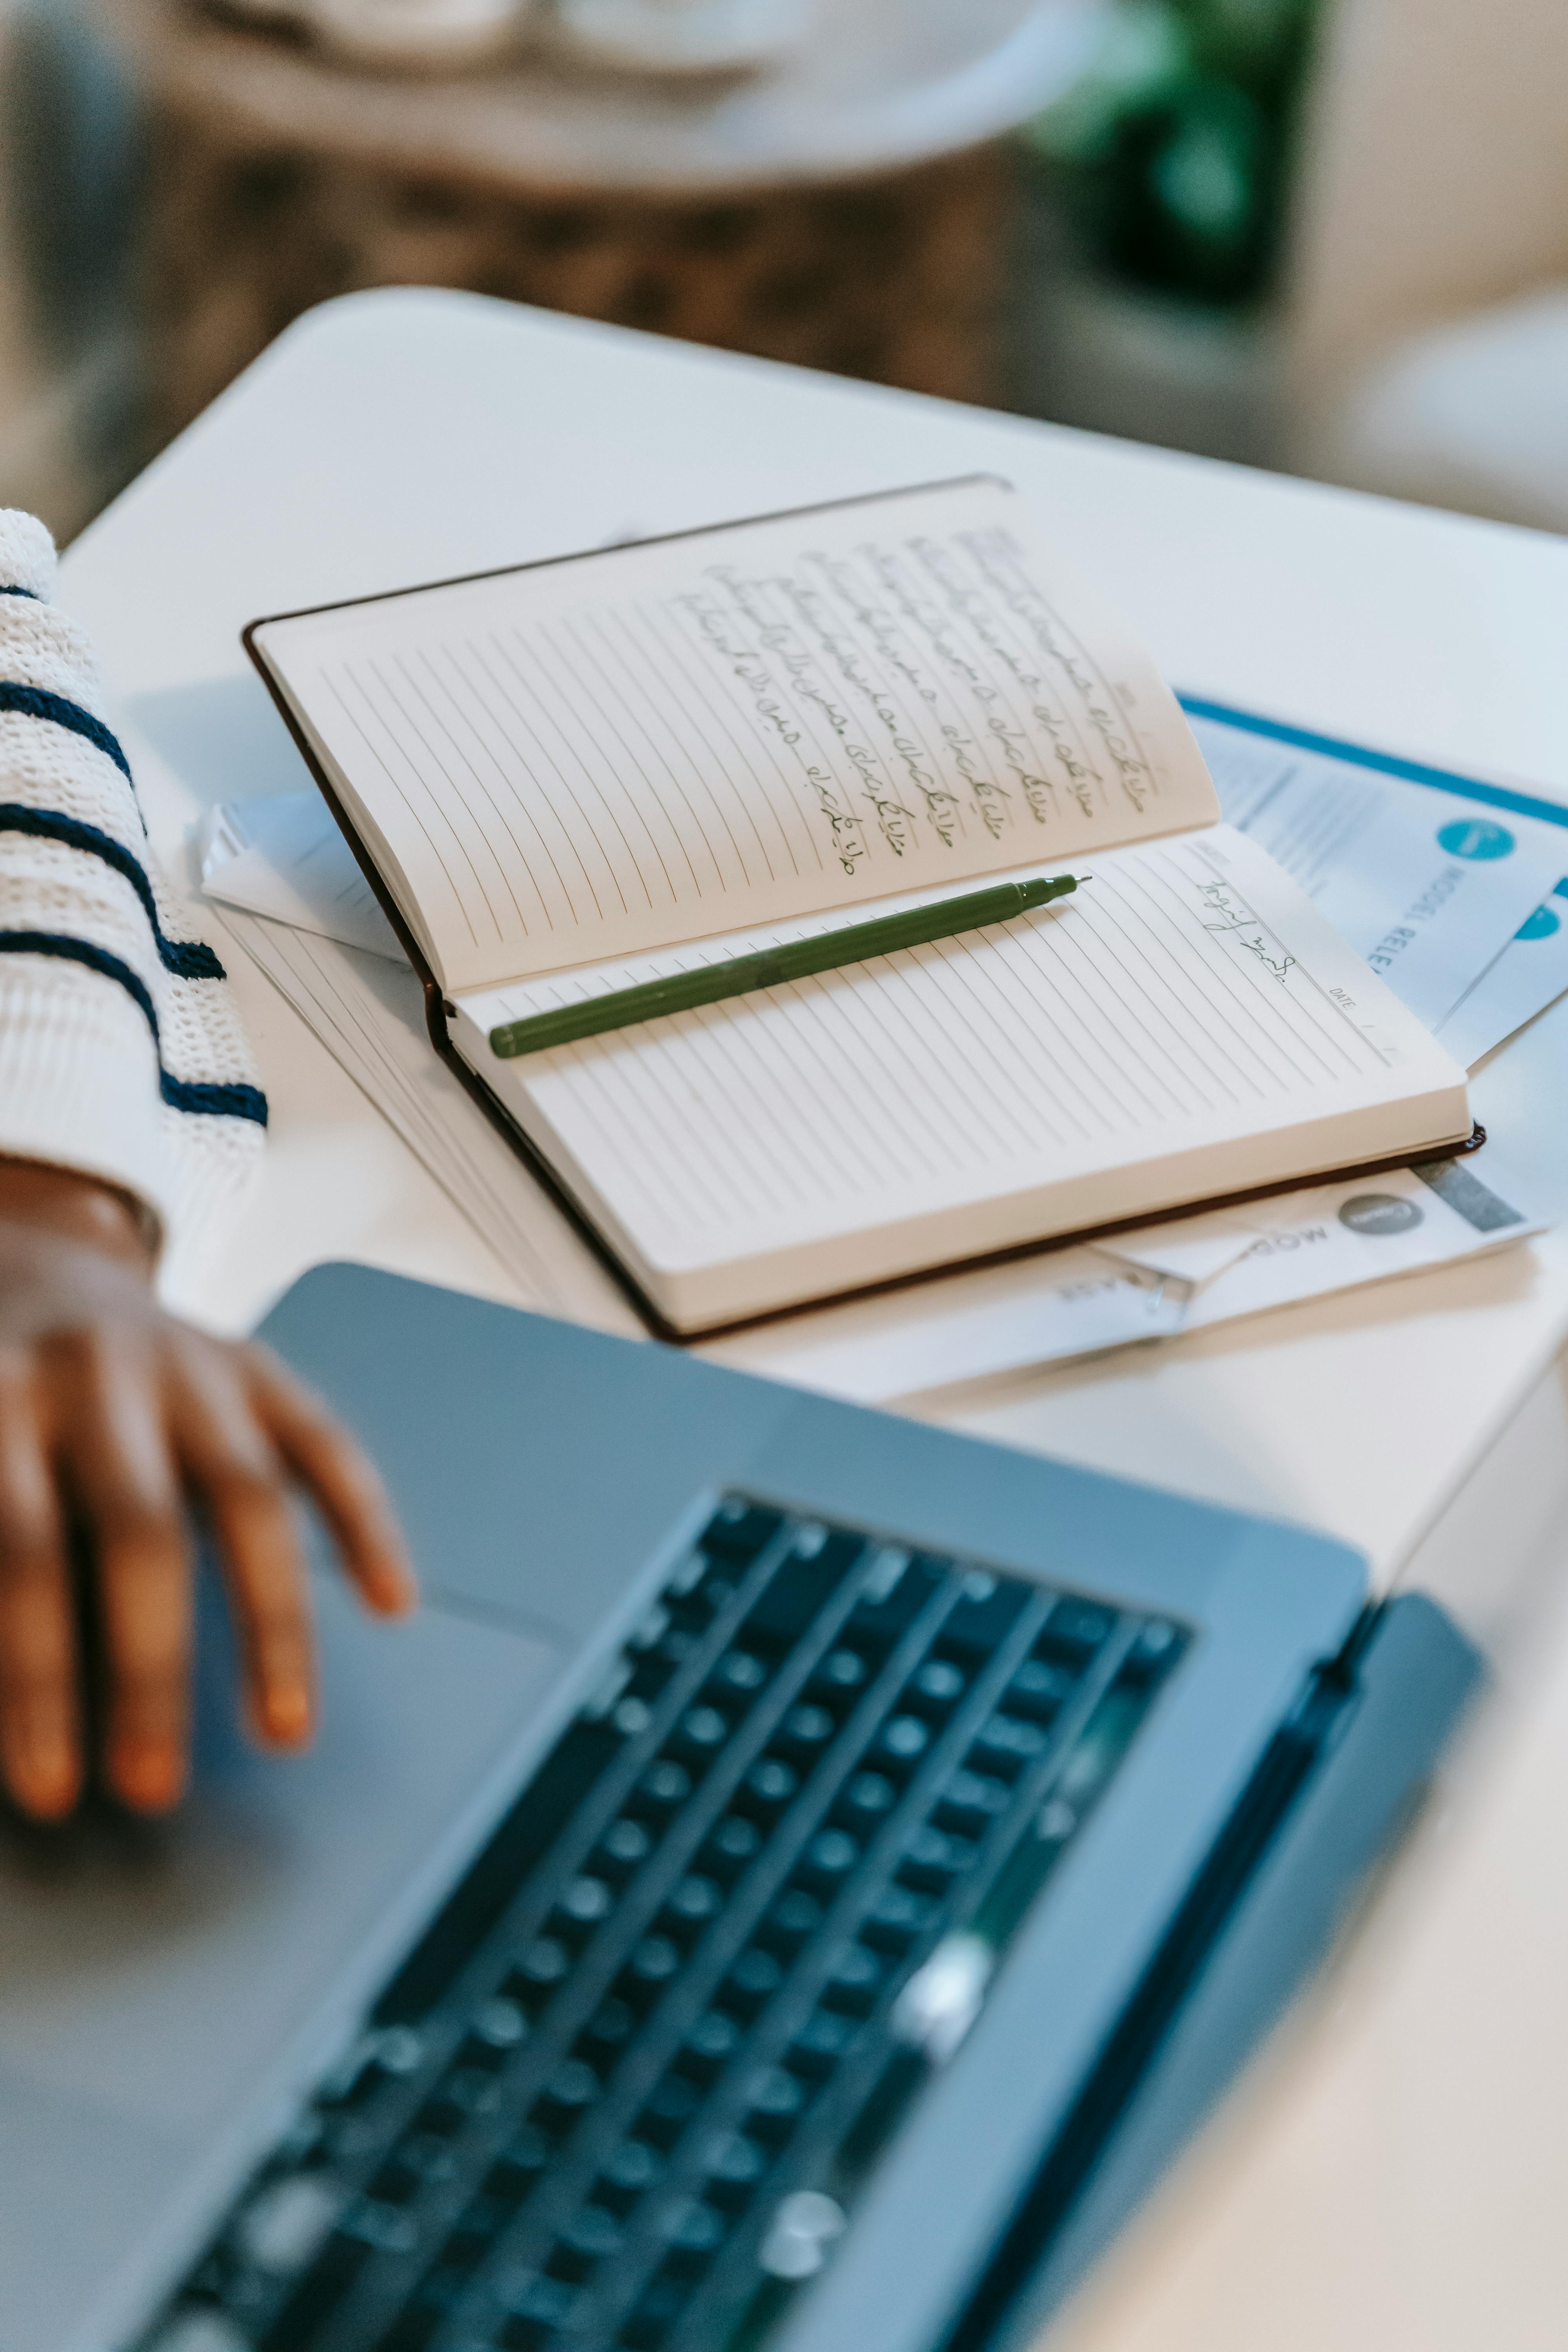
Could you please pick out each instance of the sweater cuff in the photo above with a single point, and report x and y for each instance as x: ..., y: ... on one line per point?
x: 79, y: 1084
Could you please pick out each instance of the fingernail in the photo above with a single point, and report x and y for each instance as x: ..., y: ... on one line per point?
x: 149, y: 1779
x: 47, y: 1780
x: 288, y: 1716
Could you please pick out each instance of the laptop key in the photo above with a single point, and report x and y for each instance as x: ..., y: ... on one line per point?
x: 854, y: 1980
x: 1076, y: 1628
x: 317, y: 2296
x: 773, y: 1782
x: 546, y: 2302
x: 755, y: 1976
x: 969, y: 1800
x: 664, y: 1785
x: 694, y: 2231
x: 516, y: 2170
x: 200, y: 2331
x: 830, y: 1856
x: 655, y: 2314
x: 592, y: 2235
x: 281, y: 2230
x: 714, y: 2039
x: 703, y: 1728
x: 734, y: 2164
x: 775, y: 2099
x: 694, y: 1902
x: 896, y: 1917
x: 738, y: 1531
x: 942, y: 1854
x: 735, y: 1840
x: 411, y: 2331
x: 633, y: 2167
x: 821, y: 2043
x: 938, y: 1681
x: 669, y: 2106
x: 626, y: 1844
x: 1039, y: 1687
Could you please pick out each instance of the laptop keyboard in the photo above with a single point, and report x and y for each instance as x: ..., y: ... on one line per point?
x: 625, y: 2091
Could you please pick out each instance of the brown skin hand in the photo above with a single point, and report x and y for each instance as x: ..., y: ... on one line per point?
x: 117, y: 1420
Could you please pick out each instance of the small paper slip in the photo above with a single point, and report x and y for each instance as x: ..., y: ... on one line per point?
x: 1339, y: 1236
x: 1429, y: 885
x: 1084, y: 1302
x: 1187, y: 1250
x: 284, y: 858
x: 1068, y: 1303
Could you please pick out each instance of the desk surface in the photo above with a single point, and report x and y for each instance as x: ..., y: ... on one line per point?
x: 901, y: 82
x: 391, y: 437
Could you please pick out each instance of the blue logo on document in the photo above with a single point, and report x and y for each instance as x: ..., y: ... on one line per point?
x: 1539, y: 926
x: 1475, y: 836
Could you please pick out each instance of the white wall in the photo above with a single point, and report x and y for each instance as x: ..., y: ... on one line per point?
x: 1436, y: 173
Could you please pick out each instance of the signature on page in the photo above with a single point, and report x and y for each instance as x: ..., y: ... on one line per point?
x: 1231, y: 918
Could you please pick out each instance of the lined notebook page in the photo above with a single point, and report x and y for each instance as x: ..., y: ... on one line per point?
x: 671, y: 742
x: 1188, y: 1001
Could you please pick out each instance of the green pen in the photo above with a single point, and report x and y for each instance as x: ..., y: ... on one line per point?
x: 827, y: 951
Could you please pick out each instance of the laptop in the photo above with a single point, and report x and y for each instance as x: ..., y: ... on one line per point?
x: 793, y: 1886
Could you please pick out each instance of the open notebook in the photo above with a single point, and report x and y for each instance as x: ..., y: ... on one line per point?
x: 571, y: 776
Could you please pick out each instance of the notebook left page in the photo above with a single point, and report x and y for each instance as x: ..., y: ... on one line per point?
x: 666, y: 743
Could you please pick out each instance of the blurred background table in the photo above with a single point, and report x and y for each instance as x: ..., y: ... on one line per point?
x: 849, y: 210
x: 1322, y: 235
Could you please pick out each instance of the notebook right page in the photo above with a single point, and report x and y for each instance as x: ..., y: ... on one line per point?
x: 1186, y: 1025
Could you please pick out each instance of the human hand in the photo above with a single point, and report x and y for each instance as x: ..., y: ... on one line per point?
x: 115, y: 1420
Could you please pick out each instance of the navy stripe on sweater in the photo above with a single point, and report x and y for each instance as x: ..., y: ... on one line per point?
x: 38, y: 703
x: 187, y: 959
x: 181, y: 1094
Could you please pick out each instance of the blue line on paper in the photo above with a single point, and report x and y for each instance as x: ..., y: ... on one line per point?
x: 1439, y: 779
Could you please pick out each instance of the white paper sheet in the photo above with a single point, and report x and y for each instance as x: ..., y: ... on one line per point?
x: 284, y: 858
x: 1530, y: 973
x: 369, y: 1016
x: 1428, y: 886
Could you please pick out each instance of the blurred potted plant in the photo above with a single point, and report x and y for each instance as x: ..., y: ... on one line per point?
x: 1165, y: 175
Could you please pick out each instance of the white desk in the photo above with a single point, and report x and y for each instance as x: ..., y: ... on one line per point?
x: 399, y: 436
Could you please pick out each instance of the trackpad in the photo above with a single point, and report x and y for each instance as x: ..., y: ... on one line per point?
x: 164, y: 1971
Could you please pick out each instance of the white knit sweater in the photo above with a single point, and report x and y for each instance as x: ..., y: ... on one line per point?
x: 121, y: 1052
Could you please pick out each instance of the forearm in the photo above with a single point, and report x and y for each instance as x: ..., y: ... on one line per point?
x: 122, y: 1054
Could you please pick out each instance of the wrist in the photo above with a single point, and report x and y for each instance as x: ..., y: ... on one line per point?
x: 78, y: 1208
